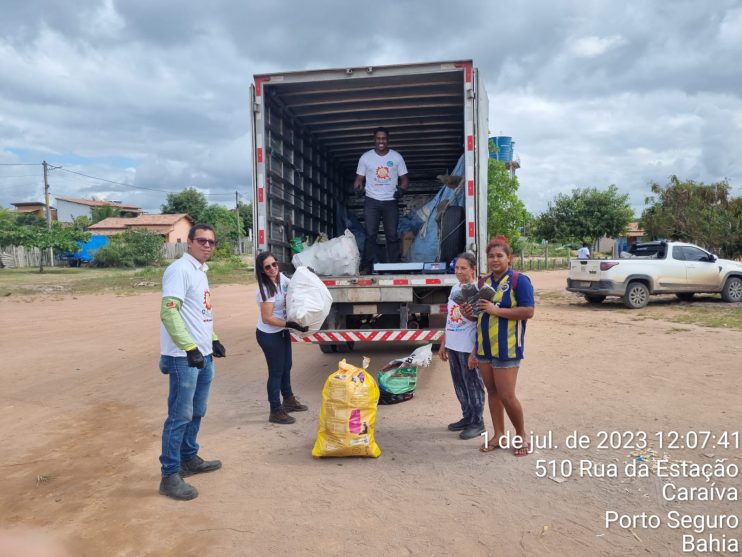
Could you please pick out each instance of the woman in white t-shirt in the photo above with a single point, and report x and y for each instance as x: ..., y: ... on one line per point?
x: 274, y: 339
x: 456, y: 346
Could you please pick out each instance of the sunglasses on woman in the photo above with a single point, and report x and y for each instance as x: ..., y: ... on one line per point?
x: 205, y: 242
x: 270, y: 266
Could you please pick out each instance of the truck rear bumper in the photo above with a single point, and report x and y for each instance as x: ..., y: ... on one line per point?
x: 368, y: 335
x: 596, y: 287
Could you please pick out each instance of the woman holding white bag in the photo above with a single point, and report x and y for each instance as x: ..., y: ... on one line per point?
x: 274, y: 339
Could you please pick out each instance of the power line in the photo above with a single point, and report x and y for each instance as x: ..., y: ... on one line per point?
x: 20, y: 176
x: 132, y: 186
x: 20, y: 164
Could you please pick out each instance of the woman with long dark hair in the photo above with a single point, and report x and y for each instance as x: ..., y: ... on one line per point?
x: 274, y: 339
x: 501, y: 331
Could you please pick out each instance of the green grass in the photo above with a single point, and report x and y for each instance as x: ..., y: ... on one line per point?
x: 724, y: 318
x: 66, y: 280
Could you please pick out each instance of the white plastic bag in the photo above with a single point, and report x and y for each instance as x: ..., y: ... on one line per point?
x: 336, y: 257
x: 308, y: 300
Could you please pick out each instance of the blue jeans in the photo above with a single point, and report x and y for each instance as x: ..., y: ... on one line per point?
x: 186, y: 405
x: 277, y: 350
x: 374, y: 211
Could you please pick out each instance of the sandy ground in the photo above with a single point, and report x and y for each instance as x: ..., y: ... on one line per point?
x: 83, y: 403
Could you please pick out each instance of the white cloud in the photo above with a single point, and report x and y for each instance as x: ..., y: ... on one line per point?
x: 590, y: 47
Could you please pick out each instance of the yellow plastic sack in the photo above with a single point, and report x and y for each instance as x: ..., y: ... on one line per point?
x: 348, y: 414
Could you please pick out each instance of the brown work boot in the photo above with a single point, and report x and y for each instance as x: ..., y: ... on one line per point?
x: 292, y: 404
x: 281, y: 417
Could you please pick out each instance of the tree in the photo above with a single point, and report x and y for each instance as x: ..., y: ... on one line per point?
x: 245, y: 210
x: 506, y: 213
x: 222, y: 219
x: 39, y: 235
x: 585, y: 216
x: 188, y: 201
x: 103, y: 212
x: 133, y: 248
x: 695, y: 212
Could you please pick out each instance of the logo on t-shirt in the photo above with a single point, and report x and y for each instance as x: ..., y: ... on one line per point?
x: 455, y: 315
x: 382, y: 173
x: 207, y: 300
x: 390, y: 163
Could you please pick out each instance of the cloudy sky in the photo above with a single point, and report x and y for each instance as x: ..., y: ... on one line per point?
x: 155, y: 93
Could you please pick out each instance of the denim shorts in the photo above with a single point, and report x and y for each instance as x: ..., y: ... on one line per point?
x: 498, y: 363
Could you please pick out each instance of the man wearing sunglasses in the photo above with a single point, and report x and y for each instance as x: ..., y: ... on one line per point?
x: 188, y: 345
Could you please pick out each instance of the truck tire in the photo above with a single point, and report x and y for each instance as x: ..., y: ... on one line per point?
x: 732, y: 291
x: 327, y: 348
x: 345, y: 346
x: 452, y: 233
x: 685, y: 296
x: 594, y: 299
x: 636, y: 296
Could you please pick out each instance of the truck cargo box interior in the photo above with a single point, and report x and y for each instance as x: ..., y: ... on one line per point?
x: 315, y: 130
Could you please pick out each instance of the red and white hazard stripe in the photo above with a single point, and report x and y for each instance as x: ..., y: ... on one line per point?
x: 366, y: 335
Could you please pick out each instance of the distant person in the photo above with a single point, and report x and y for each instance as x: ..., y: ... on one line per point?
x: 385, y: 173
x: 188, y: 345
x: 274, y: 339
x: 583, y: 252
x: 457, y: 344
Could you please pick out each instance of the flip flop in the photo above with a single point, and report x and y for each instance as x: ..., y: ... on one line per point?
x: 489, y: 448
x: 520, y: 452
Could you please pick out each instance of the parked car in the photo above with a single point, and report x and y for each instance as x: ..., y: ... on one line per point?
x: 656, y: 268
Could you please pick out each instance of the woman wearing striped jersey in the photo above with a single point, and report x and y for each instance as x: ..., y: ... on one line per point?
x: 501, y: 331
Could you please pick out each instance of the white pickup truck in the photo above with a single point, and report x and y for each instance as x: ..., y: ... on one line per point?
x: 656, y: 268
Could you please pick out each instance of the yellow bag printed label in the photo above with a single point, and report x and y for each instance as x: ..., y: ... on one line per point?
x: 348, y: 414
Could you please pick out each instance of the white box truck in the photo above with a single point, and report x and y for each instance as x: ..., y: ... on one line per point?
x: 309, y: 128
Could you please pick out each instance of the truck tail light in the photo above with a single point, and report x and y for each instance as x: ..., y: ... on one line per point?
x: 364, y: 282
x: 605, y: 265
x: 330, y: 282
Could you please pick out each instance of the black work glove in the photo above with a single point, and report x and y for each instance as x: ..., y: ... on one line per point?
x: 195, y: 358
x: 217, y: 348
x: 400, y: 191
x: 296, y: 326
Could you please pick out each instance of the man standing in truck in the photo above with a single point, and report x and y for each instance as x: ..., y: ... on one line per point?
x: 385, y: 173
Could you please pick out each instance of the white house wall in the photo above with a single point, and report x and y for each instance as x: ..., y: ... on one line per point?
x: 67, y: 211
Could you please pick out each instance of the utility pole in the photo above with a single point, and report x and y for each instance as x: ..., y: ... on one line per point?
x: 239, y: 228
x: 48, y: 210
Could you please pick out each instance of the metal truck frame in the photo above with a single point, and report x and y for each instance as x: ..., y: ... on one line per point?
x: 308, y: 130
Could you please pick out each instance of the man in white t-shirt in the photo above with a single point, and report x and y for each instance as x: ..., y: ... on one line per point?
x: 583, y: 252
x: 385, y: 174
x: 188, y: 345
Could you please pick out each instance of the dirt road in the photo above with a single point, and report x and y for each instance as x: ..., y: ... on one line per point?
x: 83, y: 403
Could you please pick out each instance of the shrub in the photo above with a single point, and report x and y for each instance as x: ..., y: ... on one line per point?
x: 133, y: 248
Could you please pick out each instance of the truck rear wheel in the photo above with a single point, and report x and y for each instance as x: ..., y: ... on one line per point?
x: 594, y: 299
x: 636, y: 296
x: 732, y: 291
x: 327, y: 348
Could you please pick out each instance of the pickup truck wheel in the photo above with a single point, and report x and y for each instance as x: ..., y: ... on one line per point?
x: 327, y: 348
x: 685, y: 296
x: 594, y: 299
x: 732, y: 290
x: 636, y: 296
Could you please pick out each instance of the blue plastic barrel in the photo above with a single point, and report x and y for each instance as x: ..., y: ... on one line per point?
x: 501, y: 148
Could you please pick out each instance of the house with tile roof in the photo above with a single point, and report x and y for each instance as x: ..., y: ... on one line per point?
x: 174, y: 228
x: 69, y: 208
x: 36, y: 207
